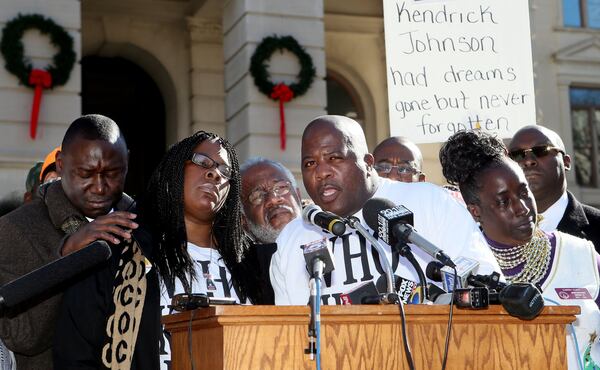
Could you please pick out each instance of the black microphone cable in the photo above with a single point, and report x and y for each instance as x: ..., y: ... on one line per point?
x: 190, y: 340
x: 407, y: 351
x: 405, y: 251
x: 449, y: 329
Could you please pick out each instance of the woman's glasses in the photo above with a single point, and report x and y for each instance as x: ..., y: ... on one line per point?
x: 207, y: 162
x: 537, y: 151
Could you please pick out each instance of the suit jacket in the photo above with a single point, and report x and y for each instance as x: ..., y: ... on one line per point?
x: 581, y: 220
x: 257, y: 283
x: 32, y: 236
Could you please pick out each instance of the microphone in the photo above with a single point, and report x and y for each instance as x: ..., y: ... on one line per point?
x: 48, y: 276
x: 319, y: 261
x: 358, y: 294
x: 318, y: 257
x: 522, y: 300
x: 436, y: 271
x: 474, y: 298
x: 434, y: 291
x: 394, y: 224
x: 354, y: 223
x: 328, y: 221
x: 409, y: 292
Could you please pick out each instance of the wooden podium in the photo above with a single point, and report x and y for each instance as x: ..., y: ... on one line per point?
x: 367, y: 337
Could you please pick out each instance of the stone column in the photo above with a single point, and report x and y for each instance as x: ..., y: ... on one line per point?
x: 206, y: 75
x: 252, y: 118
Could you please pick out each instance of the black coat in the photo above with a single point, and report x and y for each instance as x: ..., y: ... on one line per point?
x: 582, y: 221
x: 81, y: 326
x: 256, y: 262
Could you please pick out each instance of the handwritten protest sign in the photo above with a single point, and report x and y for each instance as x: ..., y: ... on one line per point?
x: 458, y: 65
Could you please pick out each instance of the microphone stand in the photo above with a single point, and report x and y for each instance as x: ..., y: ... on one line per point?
x: 390, y: 296
x: 405, y: 251
x: 314, y: 326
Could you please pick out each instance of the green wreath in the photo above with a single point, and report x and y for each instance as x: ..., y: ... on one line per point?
x: 12, y: 48
x: 263, y: 52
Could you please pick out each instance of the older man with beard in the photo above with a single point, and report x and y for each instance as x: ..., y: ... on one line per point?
x: 270, y: 199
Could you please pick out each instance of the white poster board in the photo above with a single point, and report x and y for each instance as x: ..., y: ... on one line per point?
x: 458, y: 65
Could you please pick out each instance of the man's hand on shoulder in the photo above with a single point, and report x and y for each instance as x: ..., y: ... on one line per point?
x: 113, y: 228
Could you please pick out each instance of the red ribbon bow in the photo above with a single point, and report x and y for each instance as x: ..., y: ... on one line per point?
x: 41, y: 79
x: 284, y: 94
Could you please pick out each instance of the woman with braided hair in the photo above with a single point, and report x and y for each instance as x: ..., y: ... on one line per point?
x: 498, y: 197
x: 192, y: 209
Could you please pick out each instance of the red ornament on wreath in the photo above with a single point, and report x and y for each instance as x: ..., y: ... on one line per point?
x: 280, y: 91
x: 53, y: 75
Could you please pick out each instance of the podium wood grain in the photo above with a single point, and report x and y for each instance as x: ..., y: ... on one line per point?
x: 367, y: 337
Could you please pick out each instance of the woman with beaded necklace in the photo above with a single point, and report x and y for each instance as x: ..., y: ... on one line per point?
x: 564, y: 267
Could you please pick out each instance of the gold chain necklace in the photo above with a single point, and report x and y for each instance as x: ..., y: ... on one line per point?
x: 535, y: 254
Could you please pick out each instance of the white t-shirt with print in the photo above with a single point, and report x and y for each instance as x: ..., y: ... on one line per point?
x: 437, y: 216
x: 213, y: 278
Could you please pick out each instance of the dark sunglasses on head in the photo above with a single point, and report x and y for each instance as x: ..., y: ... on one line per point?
x: 207, y: 162
x: 537, y: 151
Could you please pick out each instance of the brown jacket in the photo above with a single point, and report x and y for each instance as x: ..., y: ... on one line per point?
x: 30, y: 237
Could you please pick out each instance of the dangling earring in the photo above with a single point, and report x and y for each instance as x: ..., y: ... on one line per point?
x: 538, y: 219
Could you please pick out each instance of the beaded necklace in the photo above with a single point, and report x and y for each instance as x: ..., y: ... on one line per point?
x: 535, y: 254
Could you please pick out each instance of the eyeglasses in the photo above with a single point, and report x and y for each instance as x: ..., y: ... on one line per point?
x: 537, y: 151
x: 387, y: 168
x: 258, y: 196
x: 207, y: 162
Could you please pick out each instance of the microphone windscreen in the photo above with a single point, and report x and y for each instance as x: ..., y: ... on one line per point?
x: 308, y: 211
x: 433, y: 271
x: 522, y: 300
x: 371, y: 210
x: 48, y: 276
x: 434, y: 291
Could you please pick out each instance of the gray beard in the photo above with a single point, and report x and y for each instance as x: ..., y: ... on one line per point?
x: 263, y: 234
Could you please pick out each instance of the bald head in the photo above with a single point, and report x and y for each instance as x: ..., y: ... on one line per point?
x: 408, y: 151
x: 337, y: 168
x: 541, y: 153
x: 93, y: 127
x: 537, y: 130
x: 398, y: 158
x: 350, y: 130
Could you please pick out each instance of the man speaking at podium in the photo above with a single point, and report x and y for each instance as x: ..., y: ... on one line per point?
x: 338, y: 174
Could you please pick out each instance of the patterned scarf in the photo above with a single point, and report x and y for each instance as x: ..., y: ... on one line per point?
x: 129, y: 292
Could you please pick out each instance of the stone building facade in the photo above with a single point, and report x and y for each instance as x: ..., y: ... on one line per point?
x: 197, y: 53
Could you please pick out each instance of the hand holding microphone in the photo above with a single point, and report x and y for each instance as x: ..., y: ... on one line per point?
x: 112, y: 227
